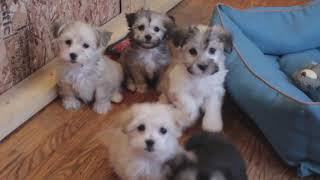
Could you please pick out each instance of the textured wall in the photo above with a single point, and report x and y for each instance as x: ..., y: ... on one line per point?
x: 26, y: 41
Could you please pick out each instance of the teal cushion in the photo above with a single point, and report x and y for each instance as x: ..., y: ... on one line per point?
x: 259, y: 78
x: 279, y: 30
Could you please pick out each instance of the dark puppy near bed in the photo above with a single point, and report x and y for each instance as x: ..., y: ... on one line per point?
x: 208, y: 157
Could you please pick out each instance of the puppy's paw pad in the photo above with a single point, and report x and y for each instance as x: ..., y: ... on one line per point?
x: 117, y: 97
x: 142, y: 88
x: 101, y: 108
x: 71, y: 103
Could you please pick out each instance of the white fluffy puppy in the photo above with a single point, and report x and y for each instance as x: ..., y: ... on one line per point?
x: 195, y: 83
x: 147, y: 139
x: 85, y: 74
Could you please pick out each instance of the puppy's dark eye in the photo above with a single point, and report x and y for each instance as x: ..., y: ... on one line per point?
x: 212, y: 50
x: 85, y: 45
x: 156, y: 29
x: 68, y: 42
x: 141, y: 127
x: 193, y: 52
x: 141, y: 27
x: 163, y: 130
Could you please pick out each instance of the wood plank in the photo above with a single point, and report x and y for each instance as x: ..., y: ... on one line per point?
x: 27, y: 158
x: 80, y: 165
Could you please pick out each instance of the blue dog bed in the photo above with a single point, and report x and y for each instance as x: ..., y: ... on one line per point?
x: 269, y: 45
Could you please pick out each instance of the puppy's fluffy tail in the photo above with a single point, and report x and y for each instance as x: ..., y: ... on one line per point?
x: 116, y: 97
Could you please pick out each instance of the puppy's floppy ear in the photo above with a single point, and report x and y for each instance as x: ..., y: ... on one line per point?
x: 103, y: 37
x: 180, y: 36
x: 126, y: 119
x: 226, y: 38
x: 172, y: 18
x: 131, y: 18
x: 170, y: 25
x: 178, y: 117
x: 57, y: 28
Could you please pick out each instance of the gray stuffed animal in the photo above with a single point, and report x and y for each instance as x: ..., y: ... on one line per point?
x: 308, y: 80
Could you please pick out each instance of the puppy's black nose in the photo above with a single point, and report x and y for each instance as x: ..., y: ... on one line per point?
x: 148, y: 37
x: 149, y: 143
x: 202, y: 67
x: 73, y: 56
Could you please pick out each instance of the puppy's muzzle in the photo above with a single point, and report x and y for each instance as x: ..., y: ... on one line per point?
x: 149, y: 145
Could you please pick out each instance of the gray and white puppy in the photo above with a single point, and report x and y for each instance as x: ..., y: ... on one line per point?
x: 148, y: 55
x: 84, y: 73
x: 194, y: 83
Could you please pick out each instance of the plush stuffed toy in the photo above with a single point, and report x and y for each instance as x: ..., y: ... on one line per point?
x: 308, y: 80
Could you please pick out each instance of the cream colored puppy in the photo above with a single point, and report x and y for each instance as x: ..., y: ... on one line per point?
x: 85, y: 74
x: 195, y: 82
x: 147, y: 139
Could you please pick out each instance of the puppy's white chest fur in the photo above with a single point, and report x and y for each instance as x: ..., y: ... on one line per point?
x: 152, y: 60
x: 149, y: 63
x: 85, y: 79
x: 144, y: 169
x: 203, y: 87
x: 198, y: 87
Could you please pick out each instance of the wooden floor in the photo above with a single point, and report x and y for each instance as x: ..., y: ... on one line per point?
x: 59, y: 144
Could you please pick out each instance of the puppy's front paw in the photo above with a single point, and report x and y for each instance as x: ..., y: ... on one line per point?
x: 212, y: 125
x: 142, y: 88
x: 116, y: 97
x: 71, y: 103
x: 101, y: 108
